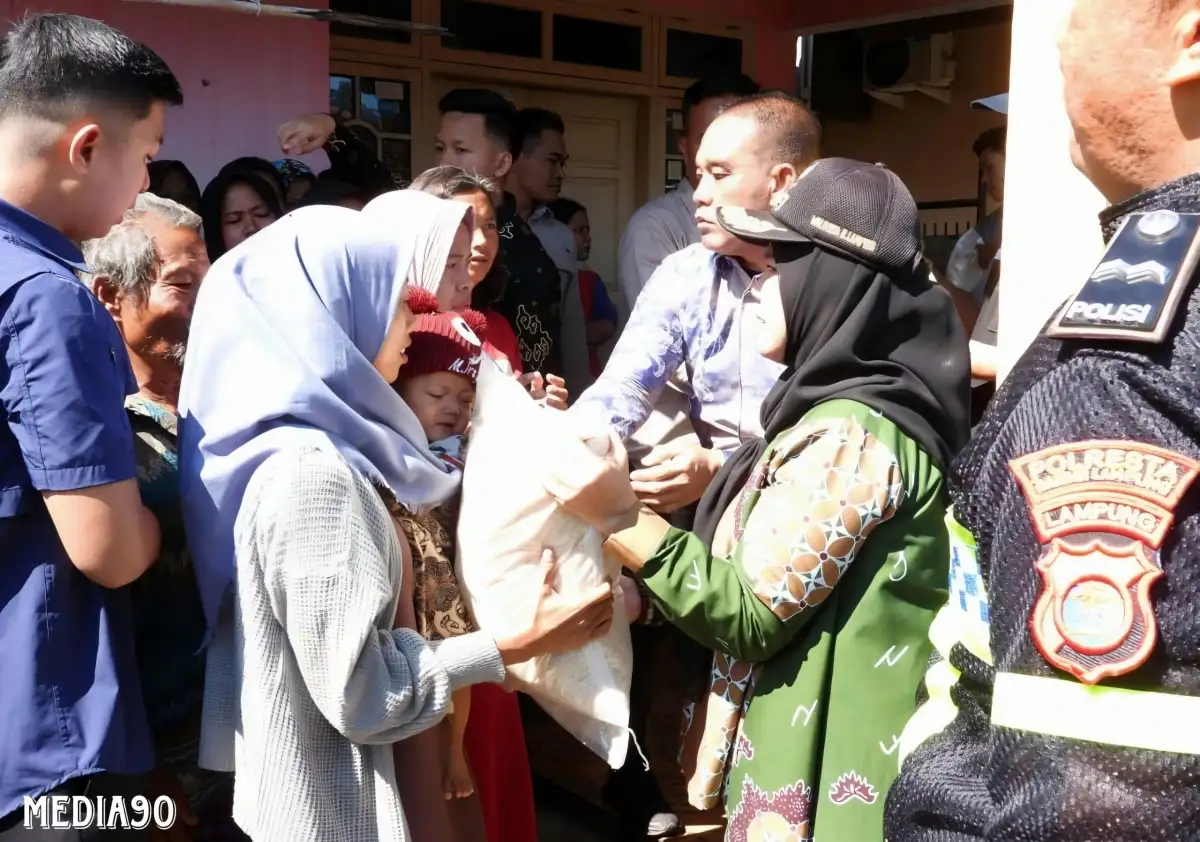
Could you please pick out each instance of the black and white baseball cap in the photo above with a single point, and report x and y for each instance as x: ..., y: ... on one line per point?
x: 861, y: 210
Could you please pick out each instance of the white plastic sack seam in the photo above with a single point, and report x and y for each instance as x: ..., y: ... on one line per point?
x: 506, y: 520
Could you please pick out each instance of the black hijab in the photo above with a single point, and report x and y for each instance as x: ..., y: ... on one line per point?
x: 894, y: 344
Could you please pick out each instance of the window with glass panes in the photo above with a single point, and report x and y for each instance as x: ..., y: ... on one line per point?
x: 379, y: 112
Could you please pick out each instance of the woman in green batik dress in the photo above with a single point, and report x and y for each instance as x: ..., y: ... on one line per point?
x: 820, y: 552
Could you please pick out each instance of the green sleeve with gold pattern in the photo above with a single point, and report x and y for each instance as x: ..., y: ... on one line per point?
x: 820, y: 490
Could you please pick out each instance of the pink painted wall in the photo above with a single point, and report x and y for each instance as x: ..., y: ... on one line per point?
x: 259, y: 73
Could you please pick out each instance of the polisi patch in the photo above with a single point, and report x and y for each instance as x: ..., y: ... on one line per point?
x: 1101, y: 510
x: 1135, y: 290
x: 1118, y: 314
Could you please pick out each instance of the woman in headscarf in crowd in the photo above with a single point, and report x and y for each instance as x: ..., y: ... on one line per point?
x: 438, y: 235
x: 440, y: 232
x: 236, y: 205
x: 495, y: 736
x: 297, y: 179
x: 292, y: 438
x: 488, y: 278
x: 820, y: 551
x: 173, y: 180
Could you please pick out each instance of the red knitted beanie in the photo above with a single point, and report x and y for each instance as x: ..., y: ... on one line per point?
x: 442, y: 341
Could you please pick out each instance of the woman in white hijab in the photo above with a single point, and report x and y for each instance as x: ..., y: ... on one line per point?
x: 290, y: 431
x: 439, y: 233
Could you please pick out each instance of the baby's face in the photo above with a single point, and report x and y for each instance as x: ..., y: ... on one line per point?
x: 441, y: 401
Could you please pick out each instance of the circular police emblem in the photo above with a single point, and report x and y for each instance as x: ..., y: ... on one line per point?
x: 1158, y: 224
x: 1094, y: 616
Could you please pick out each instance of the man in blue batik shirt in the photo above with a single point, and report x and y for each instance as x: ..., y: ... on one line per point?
x: 699, y: 309
x: 82, y: 110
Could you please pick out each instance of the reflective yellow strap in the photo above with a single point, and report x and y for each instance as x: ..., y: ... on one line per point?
x: 950, y: 626
x: 938, y: 711
x: 958, y: 532
x: 1109, y: 715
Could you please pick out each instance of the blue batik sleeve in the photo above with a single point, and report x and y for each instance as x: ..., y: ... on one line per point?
x: 650, y: 350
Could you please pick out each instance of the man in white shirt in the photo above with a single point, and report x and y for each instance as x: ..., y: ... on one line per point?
x: 973, y: 253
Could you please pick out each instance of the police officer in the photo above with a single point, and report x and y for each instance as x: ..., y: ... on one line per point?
x: 1064, y: 703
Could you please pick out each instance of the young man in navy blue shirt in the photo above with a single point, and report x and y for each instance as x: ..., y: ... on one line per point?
x: 82, y: 111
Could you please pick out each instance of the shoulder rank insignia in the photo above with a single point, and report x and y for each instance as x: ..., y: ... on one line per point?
x: 1101, y: 510
x: 1134, y: 292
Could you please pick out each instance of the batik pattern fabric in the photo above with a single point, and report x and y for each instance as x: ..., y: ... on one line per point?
x: 168, y: 614
x: 290, y: 169
x: 819, y: 621
x: 698, y: 314
x: 437, y: 599
x: 531, y: 300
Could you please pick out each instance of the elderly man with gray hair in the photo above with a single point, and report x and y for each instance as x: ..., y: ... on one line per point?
x: 146, y: 272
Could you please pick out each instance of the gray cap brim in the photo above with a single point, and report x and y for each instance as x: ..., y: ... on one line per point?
x: 997, y: 103
x: 756, y: 226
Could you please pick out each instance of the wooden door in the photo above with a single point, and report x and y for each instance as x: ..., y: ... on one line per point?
x: 602, y: 169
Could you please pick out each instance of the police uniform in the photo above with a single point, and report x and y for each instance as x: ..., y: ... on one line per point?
x: 1063, y: 699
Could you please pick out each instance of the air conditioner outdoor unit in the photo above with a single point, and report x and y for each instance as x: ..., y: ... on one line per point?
x: 897, y: 66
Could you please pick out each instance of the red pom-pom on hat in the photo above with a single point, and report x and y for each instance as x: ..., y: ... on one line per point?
x: 422, y: 300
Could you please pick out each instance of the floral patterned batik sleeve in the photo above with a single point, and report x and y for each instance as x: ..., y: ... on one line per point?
x: 817, y: 508
x: 820, y: 491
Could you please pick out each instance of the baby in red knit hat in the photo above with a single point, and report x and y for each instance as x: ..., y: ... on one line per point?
x: 438, y: 380
x: 438, y: 384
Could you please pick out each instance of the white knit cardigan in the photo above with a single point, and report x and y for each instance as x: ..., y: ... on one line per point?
x: 307, y: 683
